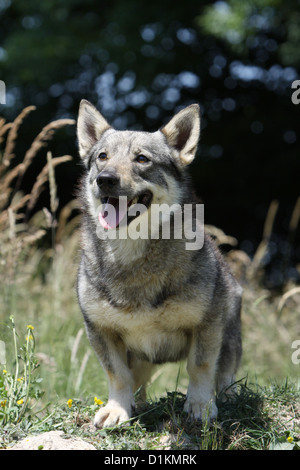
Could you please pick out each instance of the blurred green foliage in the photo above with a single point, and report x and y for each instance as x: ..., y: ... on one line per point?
x: 139, y: 62
x: 242, y: 24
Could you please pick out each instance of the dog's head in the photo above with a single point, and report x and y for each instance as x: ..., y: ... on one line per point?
x: 130, y: 168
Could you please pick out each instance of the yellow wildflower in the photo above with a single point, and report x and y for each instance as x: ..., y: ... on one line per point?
x: 20, y: 402
x: 69, y: 402
x: 4, y: 371
x: 20, y: 379
x: 29, y: 338
x: 3, y: 403
x: 290, y: 439
x: 98, y: 401
x: 30, y: 327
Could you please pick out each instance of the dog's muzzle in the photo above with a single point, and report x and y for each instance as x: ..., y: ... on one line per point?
x: 120, y: 210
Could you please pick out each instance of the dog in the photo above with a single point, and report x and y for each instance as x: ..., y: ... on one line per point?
x: 148, y: 300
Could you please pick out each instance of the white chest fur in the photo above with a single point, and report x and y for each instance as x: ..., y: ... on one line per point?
x: 163, y: 331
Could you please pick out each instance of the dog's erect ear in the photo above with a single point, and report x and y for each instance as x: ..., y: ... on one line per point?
x: 183, y: 132
x: 90, y: 126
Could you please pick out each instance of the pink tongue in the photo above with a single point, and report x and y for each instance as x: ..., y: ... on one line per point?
x: 112, y: 213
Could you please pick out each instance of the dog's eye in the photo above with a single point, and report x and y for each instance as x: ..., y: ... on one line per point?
x: 102, y: 156
x: 142, y: 159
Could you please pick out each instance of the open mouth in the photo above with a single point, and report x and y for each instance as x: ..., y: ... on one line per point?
x: 116, y: 210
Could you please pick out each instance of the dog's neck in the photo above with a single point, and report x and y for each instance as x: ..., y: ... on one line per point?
x: 125, y: 251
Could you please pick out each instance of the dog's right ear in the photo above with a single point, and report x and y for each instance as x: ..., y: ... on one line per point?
x: 90, y: 126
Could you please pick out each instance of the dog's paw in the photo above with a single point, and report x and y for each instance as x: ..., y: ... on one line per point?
x: 202, y: 411
x: 110, y: 416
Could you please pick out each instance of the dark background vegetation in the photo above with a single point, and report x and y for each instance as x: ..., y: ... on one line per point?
x: 139, y: 62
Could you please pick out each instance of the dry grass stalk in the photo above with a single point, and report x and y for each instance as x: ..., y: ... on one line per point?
x: 39, y: 142
x: 263, y: 246
x: 5, y: 186
x: 12, y: 135
x: 43, y: 178
x: 294, y: 220
x: 76, y: 345
x: 43, y: 137
x: 17, y: 236
x: 268, y: 227
x: 52, y: 185
x: 3, y: 129
x: 4, y: 197
x: 220, y: 237
x: 12, y: 224
x: 286, y: 296
x: 82, y: 369
x: 30, y: 239
x: 64, y: 215
x: 15, y: 207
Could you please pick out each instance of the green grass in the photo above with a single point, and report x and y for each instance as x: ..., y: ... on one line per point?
x: 58, y: 359
x: 257, y: 418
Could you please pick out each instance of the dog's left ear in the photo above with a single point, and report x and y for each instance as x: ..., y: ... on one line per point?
x: 183, y: 132
x: 90, y: 126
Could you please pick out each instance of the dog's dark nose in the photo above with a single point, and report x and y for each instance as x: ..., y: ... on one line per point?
x: 107, y: 179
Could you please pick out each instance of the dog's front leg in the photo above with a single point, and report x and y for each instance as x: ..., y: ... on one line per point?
x: 120, y: 402
x: 201, y: 366
x: 112, y: 354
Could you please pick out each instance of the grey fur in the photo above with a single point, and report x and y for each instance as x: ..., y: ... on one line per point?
x: 153, y: 301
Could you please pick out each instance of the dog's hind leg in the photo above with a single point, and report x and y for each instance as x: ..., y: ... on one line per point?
x: 227, y: 367
x: 201, y: 366
x: 230, y: 356
x: 141, y: 371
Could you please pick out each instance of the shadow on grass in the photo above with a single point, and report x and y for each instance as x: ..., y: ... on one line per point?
x: 242, y: 422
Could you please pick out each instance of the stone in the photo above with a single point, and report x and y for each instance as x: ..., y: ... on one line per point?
x: 53, y: 440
